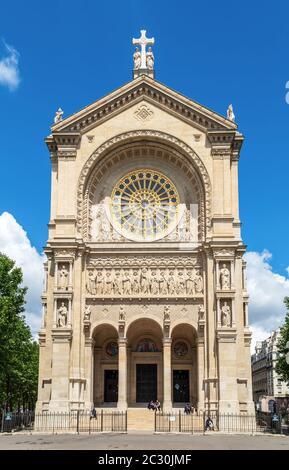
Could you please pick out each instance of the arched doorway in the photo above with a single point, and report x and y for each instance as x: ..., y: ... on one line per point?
x: 105, y: 388
x: 145, y: 362
x: 184, y: 365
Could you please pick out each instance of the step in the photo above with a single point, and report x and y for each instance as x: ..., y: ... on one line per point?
x: 140, y: 419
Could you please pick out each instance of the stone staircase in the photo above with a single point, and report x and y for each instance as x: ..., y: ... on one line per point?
x: 140, y: 419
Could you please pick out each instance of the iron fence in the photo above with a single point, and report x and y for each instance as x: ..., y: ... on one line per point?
x: 223, y: 422
x: 71, y: 422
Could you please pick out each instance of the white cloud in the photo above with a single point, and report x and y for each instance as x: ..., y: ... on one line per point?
x: 267, y: 291
x: 15, y: 244
x: 9, y: 70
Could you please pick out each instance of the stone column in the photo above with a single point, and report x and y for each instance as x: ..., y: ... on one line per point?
x: 201, y: 369
x: 122, y: 374
x: 167, y: 376
x: 97, y: 379
x: 89, y: 352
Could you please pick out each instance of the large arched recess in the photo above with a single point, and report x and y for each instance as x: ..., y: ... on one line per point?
x: 117, y: 149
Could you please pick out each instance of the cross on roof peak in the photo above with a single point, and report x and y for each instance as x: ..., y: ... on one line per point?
x: 143, y: 60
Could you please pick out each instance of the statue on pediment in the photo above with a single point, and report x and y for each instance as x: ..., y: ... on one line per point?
x: 58, y: 116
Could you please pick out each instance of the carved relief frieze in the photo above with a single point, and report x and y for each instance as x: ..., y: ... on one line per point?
x: 144, y: 281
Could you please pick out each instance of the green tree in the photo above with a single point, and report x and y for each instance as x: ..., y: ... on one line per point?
x: 282, y: 366
x: 18, y: 352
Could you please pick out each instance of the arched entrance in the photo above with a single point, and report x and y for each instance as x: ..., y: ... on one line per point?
x: 105, y: 388
x: 184, y: 365
x: 144, y: 354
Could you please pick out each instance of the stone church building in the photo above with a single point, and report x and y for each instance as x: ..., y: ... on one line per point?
x: 145, y: 293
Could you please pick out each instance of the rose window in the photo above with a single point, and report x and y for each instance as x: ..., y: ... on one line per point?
x: 144, y: 205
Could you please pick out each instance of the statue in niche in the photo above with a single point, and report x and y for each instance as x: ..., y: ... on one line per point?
x: 198, y: 282
x: 121, y: 313
x: 117, y: 283
x: 91, y: 287
x: 180, y: 283
x: 63, y: 278
x: 137, y: 59
x: 126, y: 282
x: 108, y: 283
x: 135, y: 282
x: 150, y: 59
x: 154, y: 283
x: 144, y: 282
x: 190, y: 283
x: 226, y: 315
x: 62, y: 315
x: 225, y: 278
x: 163, y: 283
x: 99, y: 283
x: 167, y: 313
x: 171, y: 283
x: 87, y: 313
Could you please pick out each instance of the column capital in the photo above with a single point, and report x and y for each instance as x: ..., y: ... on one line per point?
x: 167, y: 341
x: 122, y: 342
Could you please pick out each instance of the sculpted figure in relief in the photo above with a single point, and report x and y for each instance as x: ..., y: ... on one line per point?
x: 99, y: 283
x: 190, y: 283
x: 91, y: 287
x: 135, y: 282
x: 126, y: 281
x: 226, y: 315
x: 63, y: 278
x: 108, y: 283
x: 117, y: 283
x: 163, y: 283
x: 198, y: 282
x: 171, y: 283
x: 181, y: 283
x: 154, y: 283
x: 62, y: 315
x: 144, y: 283
x: 225, y: 278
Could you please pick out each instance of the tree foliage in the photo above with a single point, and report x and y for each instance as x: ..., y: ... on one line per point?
x: 282, y: 366
x: 18, y: 351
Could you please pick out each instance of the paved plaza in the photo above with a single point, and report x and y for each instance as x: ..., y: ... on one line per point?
x: 142, y: 441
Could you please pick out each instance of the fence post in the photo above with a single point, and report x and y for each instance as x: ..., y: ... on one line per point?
x: 155, y: 421
x: 180, y: 421
x: 77, y: 422
x: 2, y: 420
x: 101, y: 420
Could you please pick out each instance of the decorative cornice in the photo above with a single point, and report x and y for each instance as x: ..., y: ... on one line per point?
x: 152, y: 91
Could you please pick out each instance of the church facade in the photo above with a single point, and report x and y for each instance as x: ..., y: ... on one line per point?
x: 145, y: 294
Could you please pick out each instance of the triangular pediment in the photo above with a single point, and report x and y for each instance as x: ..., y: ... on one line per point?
x: 143, y: 88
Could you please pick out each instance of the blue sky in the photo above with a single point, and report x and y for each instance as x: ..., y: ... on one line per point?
x: 74, y: 52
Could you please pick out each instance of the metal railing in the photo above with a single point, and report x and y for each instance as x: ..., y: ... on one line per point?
x: 70, y: 422
x: 223, y: 422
